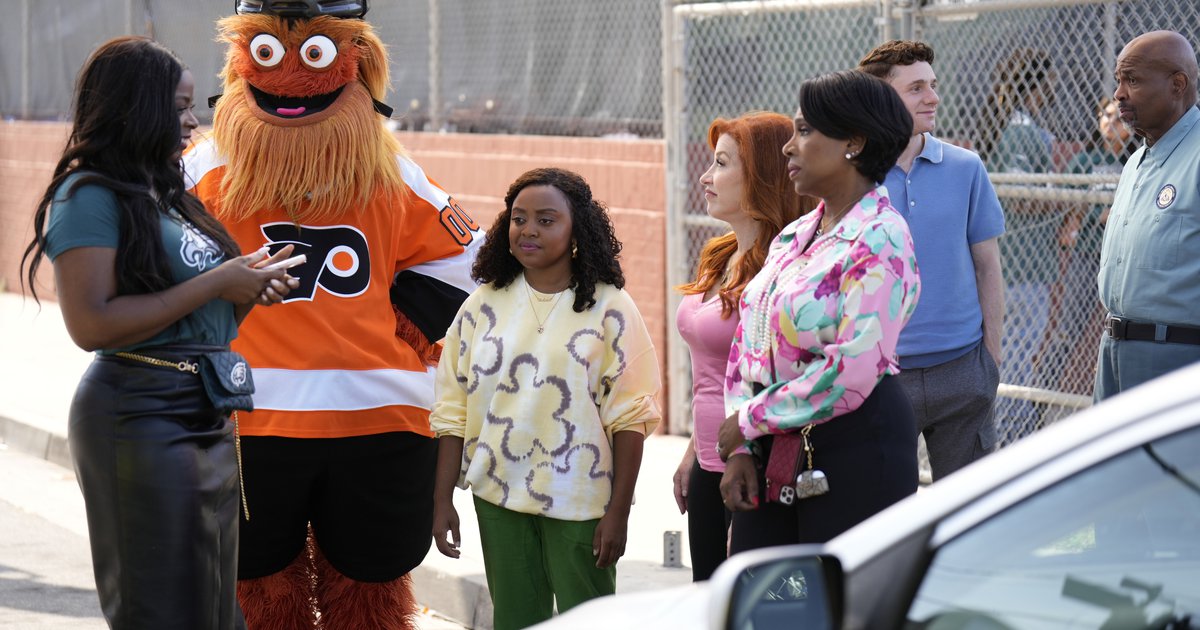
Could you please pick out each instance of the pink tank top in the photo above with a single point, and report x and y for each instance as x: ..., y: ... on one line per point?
x: 708, y: 338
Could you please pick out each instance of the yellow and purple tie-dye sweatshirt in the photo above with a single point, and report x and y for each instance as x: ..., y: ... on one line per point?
x: 537, y: 411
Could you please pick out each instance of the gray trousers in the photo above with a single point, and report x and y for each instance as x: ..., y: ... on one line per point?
x: 1124, y: 364
x: 954, y: 404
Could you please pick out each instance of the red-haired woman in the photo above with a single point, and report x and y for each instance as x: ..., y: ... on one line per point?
x: 747, y: 187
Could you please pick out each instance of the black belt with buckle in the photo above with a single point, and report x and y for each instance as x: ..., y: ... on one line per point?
x: 1121, y: 328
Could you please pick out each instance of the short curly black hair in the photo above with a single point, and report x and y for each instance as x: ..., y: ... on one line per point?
x: 851, y: 103
x: 596, y: 258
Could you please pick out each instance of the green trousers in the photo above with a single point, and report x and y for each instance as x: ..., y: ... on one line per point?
x: 531, y: 561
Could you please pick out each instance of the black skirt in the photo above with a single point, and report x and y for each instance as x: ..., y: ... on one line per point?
x: 869, y: 457
x: 158, y: 470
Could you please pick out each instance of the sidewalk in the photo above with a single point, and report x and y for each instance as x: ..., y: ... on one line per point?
x: 40, y: 366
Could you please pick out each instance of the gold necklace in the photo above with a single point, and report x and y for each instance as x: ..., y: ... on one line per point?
x: 821, y: 228
x: 541, y: 320
x: 729, y: 265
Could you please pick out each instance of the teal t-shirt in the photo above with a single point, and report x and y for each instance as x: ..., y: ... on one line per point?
x: 1028, y: 248
x: 91, y: 218
x: 1096, y: 162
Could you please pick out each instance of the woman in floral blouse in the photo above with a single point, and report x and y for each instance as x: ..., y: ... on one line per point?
x: 820, y: 436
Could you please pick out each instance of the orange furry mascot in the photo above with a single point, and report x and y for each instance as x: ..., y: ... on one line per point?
x: 338, y: 457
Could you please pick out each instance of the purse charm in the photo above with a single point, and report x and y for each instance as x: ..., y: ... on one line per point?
x: 811, y: 482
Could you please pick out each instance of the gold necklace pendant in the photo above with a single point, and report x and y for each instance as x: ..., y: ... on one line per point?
x: 541, y: 321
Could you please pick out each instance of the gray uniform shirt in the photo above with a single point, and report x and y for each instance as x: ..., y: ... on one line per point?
x: 1150, y: 261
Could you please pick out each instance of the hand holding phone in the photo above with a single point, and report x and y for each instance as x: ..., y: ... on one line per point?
x: 287, y: 263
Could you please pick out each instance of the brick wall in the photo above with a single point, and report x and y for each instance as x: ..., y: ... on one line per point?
x: 28, y: 153
x: 628, y: 175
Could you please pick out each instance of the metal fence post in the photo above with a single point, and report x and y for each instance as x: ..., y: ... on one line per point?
x: 906, y: 18
x: 1112, y: 46
x: 887, y: 29
x: 26, y: 35
x: 435, y: 67
x: 678, y: 362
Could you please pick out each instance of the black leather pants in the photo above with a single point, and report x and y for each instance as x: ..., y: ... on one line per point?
x: 157, y: 467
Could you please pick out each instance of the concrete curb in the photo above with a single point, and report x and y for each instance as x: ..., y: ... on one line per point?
x: 462, y: 598
x: 35, y: 441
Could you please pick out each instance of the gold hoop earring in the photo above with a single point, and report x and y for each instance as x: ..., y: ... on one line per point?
x: 574, y: 250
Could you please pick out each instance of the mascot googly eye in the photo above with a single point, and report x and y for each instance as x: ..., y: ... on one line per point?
x: 266, y: 50
x: 318, y: 52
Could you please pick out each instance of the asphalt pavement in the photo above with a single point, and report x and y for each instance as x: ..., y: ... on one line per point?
x: 45, y: 570
x: 45, y: 567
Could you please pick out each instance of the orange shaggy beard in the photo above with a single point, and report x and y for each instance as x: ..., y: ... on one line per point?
x: 316, y: 171
x: 313, y: 172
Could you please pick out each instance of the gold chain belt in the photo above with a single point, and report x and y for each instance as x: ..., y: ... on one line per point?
x: 194, y: 368
x: 182, y: 366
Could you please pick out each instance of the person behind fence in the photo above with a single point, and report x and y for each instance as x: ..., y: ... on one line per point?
x: 545, y: 392
x: 1150, y: 258
x: 1011, y: 140
x: 821, y: 434
x: 1080, y: 315
x: 747, y: 187
x: 155, y: 286
x: 950, y: 350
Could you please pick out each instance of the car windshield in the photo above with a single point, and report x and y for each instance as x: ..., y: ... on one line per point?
x: 1114, y: 546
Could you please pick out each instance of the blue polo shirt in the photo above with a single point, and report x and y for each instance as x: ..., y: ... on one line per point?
x: 949, y: 204
x: 1150, y: 260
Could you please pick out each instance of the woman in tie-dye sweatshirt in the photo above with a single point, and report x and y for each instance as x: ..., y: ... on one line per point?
x: 545, y: 392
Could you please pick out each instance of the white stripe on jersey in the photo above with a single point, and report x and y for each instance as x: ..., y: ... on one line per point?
x: 199, y: 161
x: 341, y: 390
x: 416, y: 179
x: 448, y: 270
x: 452, y: 271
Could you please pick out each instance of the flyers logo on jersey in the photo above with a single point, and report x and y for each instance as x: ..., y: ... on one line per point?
x: 339, y: 261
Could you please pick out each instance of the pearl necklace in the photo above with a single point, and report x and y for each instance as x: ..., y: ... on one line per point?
x: 759, y: 333
x: 530, y: 291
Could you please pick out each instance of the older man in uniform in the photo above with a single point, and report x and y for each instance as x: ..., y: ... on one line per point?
x: 1150, y: 265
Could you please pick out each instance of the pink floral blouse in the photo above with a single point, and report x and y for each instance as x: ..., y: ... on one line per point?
x: 819, y: 325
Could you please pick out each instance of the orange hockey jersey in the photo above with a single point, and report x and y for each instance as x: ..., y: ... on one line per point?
x: 327, y: 361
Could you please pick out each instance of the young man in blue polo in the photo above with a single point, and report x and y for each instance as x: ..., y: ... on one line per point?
x: 950, y: 349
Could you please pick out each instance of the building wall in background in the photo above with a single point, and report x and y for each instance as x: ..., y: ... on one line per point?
x: 627, y: 175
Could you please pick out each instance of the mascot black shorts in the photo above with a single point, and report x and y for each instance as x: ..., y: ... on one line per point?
x: 369, y: 500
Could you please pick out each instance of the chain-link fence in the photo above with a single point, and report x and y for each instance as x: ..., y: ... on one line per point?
x: 1055, y: 156
x: 1021, y: 81
x: 509, y: 66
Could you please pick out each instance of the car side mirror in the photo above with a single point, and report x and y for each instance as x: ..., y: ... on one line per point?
x: 780, y: 587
